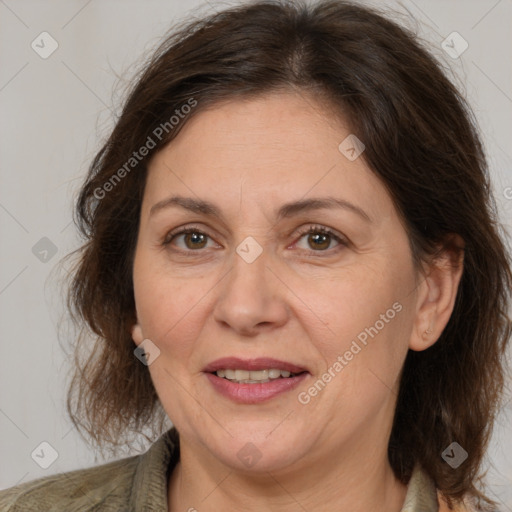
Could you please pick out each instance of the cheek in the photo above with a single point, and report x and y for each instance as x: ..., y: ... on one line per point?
x: 163, y: 301
x: 368, y: 322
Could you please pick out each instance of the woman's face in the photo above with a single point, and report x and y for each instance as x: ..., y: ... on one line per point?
x: 295, y: 260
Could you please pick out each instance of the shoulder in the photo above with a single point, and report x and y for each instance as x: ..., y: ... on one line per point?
x: 422, y: 495
x: 459, y: 507
x: 104, y: 487
x: 127, y: 484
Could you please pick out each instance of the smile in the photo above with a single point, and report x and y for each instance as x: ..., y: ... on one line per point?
x: 254, y: 377
x: 251, y: 381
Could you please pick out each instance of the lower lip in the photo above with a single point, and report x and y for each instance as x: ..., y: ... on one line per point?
x: 254, y: 393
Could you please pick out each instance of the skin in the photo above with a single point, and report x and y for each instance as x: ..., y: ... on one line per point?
x: 302, y: 301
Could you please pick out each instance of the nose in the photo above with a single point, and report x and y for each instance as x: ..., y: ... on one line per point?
x: 251, y: 298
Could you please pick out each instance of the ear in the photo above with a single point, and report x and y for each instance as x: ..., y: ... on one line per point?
x: 137, y: 335
x: 437, y: 293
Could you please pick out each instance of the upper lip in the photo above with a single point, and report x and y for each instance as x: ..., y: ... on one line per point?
x: 260, y: 363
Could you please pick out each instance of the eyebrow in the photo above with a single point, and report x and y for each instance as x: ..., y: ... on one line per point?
x: 287, y: 210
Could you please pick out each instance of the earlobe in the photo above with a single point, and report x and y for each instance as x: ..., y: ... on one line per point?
x: 137, y: 334
x: 436, y: 299
x: 422, y: 336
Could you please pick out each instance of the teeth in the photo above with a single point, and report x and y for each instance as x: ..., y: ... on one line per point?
x: 253, y: 377
x: 242, y: 375
x: 259, y: 375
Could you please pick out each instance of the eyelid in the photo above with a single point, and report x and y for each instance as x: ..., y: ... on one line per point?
x: 318, y: 228
x: 183, y: 230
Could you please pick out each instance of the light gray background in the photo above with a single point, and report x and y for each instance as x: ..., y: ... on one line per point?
x: 56, y: 112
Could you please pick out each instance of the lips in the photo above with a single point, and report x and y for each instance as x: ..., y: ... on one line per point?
x: 261, y: 363
x: 253, y: 392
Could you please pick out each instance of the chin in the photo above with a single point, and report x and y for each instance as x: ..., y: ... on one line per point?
x: 259, y: 450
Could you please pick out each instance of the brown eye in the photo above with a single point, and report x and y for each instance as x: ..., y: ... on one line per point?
x: 319, y: 241
x: 195, y: 240
x: 192, y: 239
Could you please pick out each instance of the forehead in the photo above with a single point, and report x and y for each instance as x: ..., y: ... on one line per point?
x: 273, y: 148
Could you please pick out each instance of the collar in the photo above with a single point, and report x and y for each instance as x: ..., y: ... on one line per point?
x: 421, y: 493
x: 149, y: 490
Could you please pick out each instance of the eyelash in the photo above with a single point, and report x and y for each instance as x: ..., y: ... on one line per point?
x: 312, y: 229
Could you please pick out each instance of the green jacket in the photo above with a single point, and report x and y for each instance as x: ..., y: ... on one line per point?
x: 139, y: 484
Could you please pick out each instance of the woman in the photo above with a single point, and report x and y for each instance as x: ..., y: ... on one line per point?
x: 292, y: 251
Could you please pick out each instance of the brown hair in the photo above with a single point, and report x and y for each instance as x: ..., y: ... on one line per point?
x: 421, y: 141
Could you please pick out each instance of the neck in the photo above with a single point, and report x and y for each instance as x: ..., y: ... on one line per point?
x: 356, y: 477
